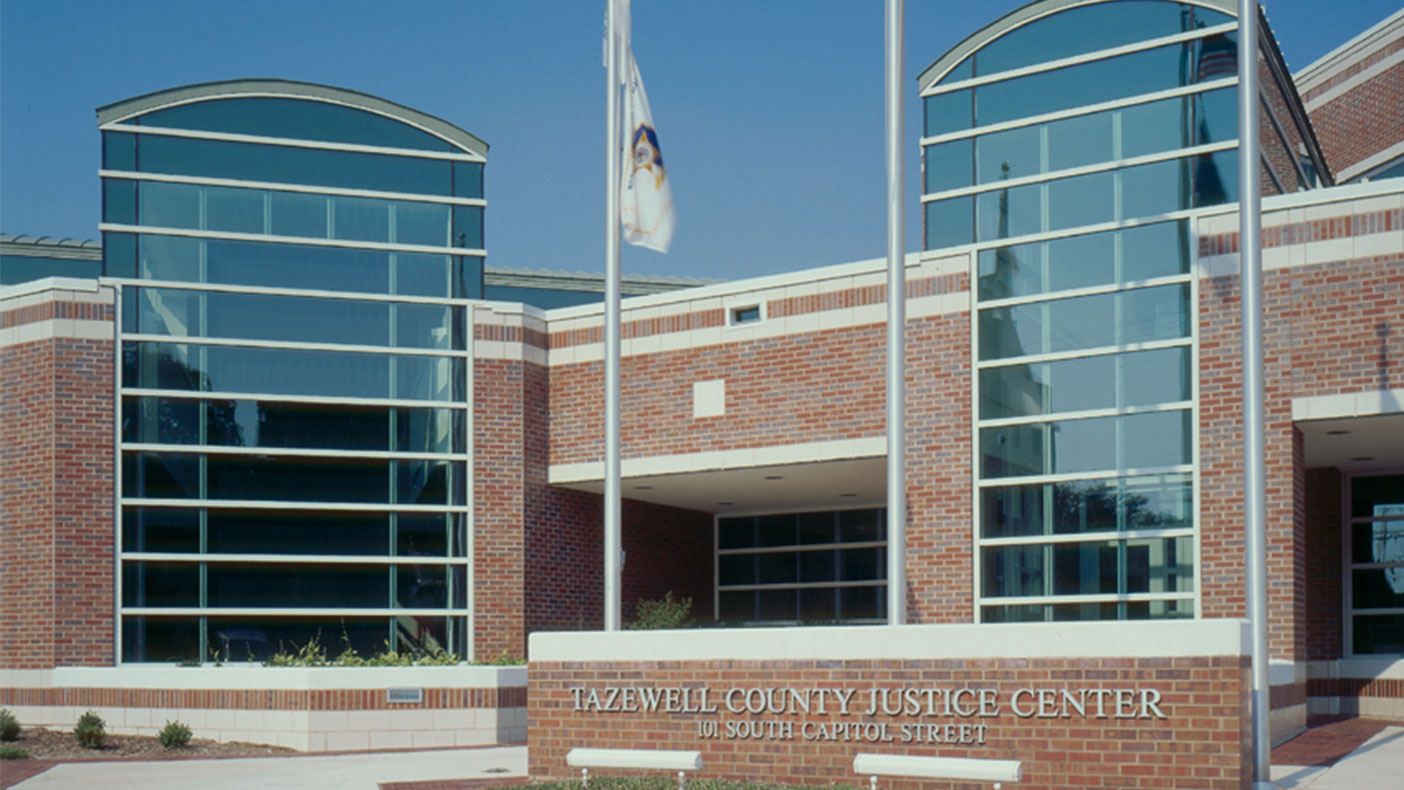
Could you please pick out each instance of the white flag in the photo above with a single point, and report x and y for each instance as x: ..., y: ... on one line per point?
x: 645, y: 199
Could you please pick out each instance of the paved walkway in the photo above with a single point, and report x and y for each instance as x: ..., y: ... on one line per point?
x: 339, y: 772
x: 1332, y: 757
x: 1351, y: 754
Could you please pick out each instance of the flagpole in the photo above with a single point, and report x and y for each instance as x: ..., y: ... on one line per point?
x: 611, y: 357
x: 1254, y: 476
x: 896, y: 329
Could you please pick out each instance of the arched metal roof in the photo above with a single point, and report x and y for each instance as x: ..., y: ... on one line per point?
x: 127, y: 108
x: 1024, y: 15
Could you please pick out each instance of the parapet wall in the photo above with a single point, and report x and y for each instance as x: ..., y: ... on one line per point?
x: 1080, y: 704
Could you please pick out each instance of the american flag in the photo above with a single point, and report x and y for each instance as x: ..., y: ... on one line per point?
x: 1218, y: 57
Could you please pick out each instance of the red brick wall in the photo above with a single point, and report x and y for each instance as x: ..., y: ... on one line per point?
x: 1202, y: 742
x: 499, y: 457
x: 1323, y: 555
x: 940, y: 554
x: 1329, y: 328
x: 805, y: 388
x: 262, y: 699
x: 666, y: 550
x: 1362, y: 121
x: 1221, y: 461
x: 56, y: 530
x: 539, y: 549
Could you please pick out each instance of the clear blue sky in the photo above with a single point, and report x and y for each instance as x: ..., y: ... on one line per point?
x: 769, y: 112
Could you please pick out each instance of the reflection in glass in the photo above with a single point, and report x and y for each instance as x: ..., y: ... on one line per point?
x: 1114, y: 567
x: 1133, y: 441
x: 181, y: 313
x: 1152, y: 502
x: 1108, y: 319
x: 169, y: 475
x: 293, y: 165
x: 279, y: 371
x: 299, y: 118
x: 1139, y: 378
x: 1089, y: 28
x: 308, y: 266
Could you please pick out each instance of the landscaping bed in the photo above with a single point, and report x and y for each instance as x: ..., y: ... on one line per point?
x: 45, y: 744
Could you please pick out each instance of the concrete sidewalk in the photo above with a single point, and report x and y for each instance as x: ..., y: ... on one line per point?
x: 1377, y: 764
x: 339, y: 772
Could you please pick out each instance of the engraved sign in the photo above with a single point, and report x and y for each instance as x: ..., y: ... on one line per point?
x: 929, y: 714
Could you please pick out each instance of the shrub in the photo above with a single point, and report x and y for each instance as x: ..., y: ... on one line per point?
x: 9, y: 725
x: 13, y: 753
x: 91, y: 731
x: 662, y: 613
x: 174, y: 735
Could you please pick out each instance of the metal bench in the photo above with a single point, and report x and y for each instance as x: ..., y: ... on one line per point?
x: 658, y: 759
x: 974, y: 768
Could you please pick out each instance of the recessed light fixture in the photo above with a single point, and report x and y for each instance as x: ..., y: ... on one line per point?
x: 1337, y: 433
x: 774, y: 477
x: 643, y: 488
x: 1363, y: 458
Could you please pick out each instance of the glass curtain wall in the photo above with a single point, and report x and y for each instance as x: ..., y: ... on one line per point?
x: 807, y: 568
x: 294, y: 354
x: 1376, y: 551
x: 1071, y: 151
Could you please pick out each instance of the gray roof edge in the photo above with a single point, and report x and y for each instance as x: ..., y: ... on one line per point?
x: 1020, y: 16
x: 50, y: 247
x: 121, y: 110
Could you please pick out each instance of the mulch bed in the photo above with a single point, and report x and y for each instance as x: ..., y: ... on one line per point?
x: 48, y: 748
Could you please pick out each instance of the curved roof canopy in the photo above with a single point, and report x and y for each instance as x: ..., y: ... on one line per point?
x: 127, y: 109
x: 1022, y: 16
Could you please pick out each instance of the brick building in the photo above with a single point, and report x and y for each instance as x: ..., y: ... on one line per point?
x: 291, y: 408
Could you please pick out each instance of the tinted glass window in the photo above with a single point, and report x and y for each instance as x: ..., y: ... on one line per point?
x: 290, y: 165
x: 290, y: 371
x: 302, y: 119
x: 1135, y: 316
x: 1140, y: 378
x: 306, y: 266
x: 1134, y: 441
x: 1128, y: 255
x: 1098, y: 81
x: 1163, y: 501
x: 1090, y: 28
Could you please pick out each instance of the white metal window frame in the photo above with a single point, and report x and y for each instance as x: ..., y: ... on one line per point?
x: 1349, y: 566
x: 346, y: 244
x: 293, y: 345
x: 321, y: 293
x: 329, y: 400
x: 1193, y: 532
x: 937, y: 87
x: 300, y: 189
x: 718, y: 552
x: 288, y: 452
x: 291, y: 142
x: 467, y: 510
x: 1082, y: 170
x: 1084, y: 109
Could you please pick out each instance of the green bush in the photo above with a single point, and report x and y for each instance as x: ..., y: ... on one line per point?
x: 662, y: 613
x: 13, y: 753
x: 9, y: 725
x: 174, y: 735
x: 91, y: 731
